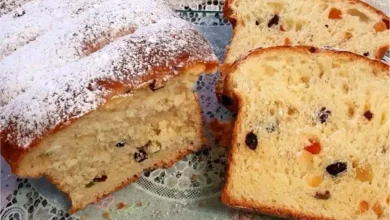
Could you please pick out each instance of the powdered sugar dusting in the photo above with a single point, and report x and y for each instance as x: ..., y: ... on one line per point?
x: 56, y: 77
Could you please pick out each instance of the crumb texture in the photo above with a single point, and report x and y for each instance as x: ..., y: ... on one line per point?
x: 312, y: 135
x: 348, y: 25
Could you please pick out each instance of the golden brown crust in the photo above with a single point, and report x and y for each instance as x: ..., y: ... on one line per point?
x: 248, y: 205
x: 13, y: 153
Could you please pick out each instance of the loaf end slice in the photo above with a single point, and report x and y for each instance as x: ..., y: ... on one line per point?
x: 311, y: 139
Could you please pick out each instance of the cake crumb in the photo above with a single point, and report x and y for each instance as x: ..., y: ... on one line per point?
x: 120, y: 205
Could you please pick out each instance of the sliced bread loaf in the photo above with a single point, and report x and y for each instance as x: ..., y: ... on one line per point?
x: 311, y: 139
x: 348, y: 24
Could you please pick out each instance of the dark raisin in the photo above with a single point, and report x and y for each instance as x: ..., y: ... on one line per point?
x: 90, y: 184
x: 326, y: 26
x: 140, y: 155
x: 312, y: 49
x: 251, y: 141
x: 323, y: 115
x: 226, y: 100
x: 336, y: 168
x: 366, y: 54
x: 120, y: 143
x: 100, y: 179
x: 322, y: 195
x: 154, y: 86
x: 257, y: 23
x: 274, y: 21
x: 368, y: 114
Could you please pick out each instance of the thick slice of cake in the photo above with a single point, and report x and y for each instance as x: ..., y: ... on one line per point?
x: 311, y: 139
x: 351, y: 25
x: 342, y: 24
x: 98, y: 93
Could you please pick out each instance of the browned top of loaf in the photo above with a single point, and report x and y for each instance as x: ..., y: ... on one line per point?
x: 382, y: 66
x: 60, y: 60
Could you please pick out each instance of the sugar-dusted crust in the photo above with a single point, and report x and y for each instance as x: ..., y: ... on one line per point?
x: 250, y: 205
x: 71, y: 70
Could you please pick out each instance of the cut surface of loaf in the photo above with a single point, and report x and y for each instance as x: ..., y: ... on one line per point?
x: 350, y: 25
x: 311, y: 139
x: 98, y: 91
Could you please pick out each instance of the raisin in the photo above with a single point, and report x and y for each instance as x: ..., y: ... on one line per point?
x: 312, y: 49
x: 257, y: 23
x: 322, y: 195
x: 90, y: 184
x: 282, y: 28
x: 140, y: 155
x: 226, y: 100
x: 368, y: 114
x: 100, y: 179
x: 323, y: 115
x: 251, y: 141
x: 154, y: 86
x: 326, y: 26
x: 274, y: 21
x: 366, y: 54
x: 336, y: 168
x: 120, y: 143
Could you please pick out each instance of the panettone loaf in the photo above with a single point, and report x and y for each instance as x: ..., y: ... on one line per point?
x: 350, y: 25
x: 311, y: 139
x: 95, y: 92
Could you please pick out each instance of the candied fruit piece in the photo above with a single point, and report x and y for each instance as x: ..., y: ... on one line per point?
x: 363, y: 206
x: 380, y: 26
x: 314, y: 147
x: 305, y: 159
x: 282, y: 28
x: 335, y: 14
x: 287, y: 41
x: 314, y: 181
x: 363, y: 171
x: 377, y: 208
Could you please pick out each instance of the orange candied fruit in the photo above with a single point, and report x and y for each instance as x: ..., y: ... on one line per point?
x: 335, y: 14
x: 287, y: 41
x: 281, y: 28
x: 314, y: 147
x: 380, y: 26
x: 363, y: 206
